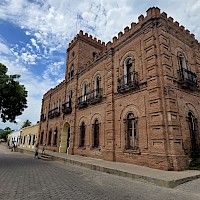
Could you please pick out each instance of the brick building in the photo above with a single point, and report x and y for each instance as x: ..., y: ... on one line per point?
x: 135, y: 99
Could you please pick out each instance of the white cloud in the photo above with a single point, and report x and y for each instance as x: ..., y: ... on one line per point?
x: 55, y: 70
x: 34, y: 43
x: 51, y: 24
x: 27, y: 33
x: 4, y: 49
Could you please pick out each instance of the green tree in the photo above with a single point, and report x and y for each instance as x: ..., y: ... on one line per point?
x: 26, y: 123
x: 12, y: 96
x: 5, y: 133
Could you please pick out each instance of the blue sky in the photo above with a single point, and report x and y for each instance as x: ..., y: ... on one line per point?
x: 34, y: 35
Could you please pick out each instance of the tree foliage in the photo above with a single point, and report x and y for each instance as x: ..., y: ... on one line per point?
x: 12, y: 96
x: 26, y: 123
x: 4, y: 133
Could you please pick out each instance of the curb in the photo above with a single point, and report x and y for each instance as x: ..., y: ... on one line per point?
x: 155, y: 181
x: 137, y: 177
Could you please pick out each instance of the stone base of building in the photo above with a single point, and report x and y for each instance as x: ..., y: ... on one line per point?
x: 157, y: 161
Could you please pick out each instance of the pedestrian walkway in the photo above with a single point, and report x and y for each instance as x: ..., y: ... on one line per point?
x: 161, y: 178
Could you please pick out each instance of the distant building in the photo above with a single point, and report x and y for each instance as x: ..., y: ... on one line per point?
x: 14, y: 138
x: 29, y: 136
x: 134, y: 100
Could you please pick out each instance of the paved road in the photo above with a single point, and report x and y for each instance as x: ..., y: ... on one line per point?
x: 25, y: 178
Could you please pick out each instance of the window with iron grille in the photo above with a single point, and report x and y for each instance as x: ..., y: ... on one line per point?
x: 55, y: 136
x: 97, y: 86
x: 49, y: 137
x: 131, y: 135
x: 95, y: 134
x: 194, y: 134
x: 82, y: 135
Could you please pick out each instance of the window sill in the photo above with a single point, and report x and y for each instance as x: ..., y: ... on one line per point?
x: 132, y: 151
x: 95, y: 148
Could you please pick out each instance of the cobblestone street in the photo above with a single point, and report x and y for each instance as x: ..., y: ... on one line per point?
x: 22, y: 177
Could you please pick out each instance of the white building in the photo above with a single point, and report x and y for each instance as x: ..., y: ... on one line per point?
x: 14, y: 138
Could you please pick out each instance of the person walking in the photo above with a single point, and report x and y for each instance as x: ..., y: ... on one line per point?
x: 36, y: 151
x: 44, y: 147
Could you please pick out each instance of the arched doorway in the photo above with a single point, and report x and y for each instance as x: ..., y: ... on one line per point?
x: 65, y: 138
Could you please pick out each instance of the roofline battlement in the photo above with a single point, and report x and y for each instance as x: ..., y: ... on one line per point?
x: 153, y: 12
x: 87, y: 37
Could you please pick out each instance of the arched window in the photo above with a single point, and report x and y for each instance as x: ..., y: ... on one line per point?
x: 52, y: 106
x: 182, y: 62
x: 84, y: 92
x: 97, y: 85
x: 55, y: 136
x: 69, y: 95
x: 182, y: 67
x: 58, y: 104
x: 94, y: 54
x: 128, y: 69
x: 71, y: 71
x: 131, y: 137
x: 69, y: 99
x: 194, y: 135
x: 82, y: 135
x: 95, y: 134
x: 49, y: 138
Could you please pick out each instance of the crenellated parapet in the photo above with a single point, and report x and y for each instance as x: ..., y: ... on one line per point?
x: 151, y: 13
x: 88, y: 38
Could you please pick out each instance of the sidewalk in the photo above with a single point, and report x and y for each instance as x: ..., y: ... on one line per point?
x: 161, y: 178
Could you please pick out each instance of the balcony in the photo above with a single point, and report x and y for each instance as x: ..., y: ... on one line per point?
x: 90, y: 98
x: 67, y: 107
x: 43, y: 117
x: 127, y: 82
x: 53, y: 113
x: 187, y: 78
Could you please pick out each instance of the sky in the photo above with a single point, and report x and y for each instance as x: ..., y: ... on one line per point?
x: 34, y: 36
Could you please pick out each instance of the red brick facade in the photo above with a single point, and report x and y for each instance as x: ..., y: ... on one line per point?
x: 135, y: 99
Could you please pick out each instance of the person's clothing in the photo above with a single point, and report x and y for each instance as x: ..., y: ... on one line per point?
x: 44, y: 147
x: 36, y: 153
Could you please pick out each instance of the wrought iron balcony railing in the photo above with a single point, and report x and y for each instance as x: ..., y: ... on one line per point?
x: 92, y: 97
x: 67, y: 107
x: 43, y: 117
x: 53, y: 113
x: 187, y: 78
x: 127, y: 82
